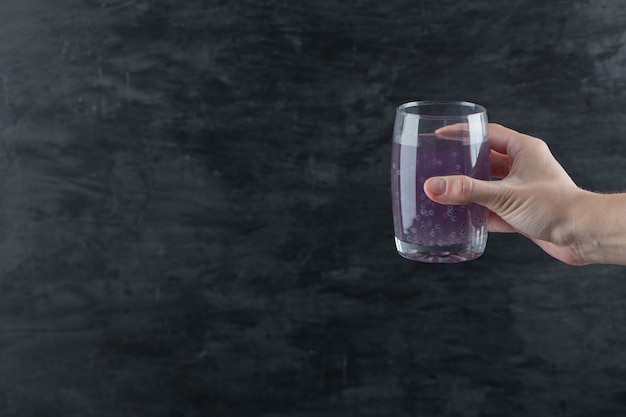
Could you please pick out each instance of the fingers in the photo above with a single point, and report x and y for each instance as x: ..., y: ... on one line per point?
x: 459, y: 189
x: 458, y: 131
x: 499, y: 164
x: 499, y: 160
x: 500, y: 137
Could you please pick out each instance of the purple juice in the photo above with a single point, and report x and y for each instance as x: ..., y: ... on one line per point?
x: 428, y: 231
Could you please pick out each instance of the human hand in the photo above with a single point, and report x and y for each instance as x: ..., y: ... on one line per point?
x: 533, y: 198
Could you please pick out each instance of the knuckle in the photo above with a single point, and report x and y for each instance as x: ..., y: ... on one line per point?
x: 463, y: 189
x: 466, y: 187
x: 539, y: 145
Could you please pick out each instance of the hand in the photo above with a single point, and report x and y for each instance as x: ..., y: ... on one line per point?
x: 535, y: 196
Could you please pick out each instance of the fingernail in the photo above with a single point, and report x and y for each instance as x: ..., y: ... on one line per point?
x: 437, y: 186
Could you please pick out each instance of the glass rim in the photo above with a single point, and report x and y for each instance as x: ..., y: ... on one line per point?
x: 477, y: 108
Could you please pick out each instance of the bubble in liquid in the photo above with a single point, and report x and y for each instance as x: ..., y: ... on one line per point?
x: 398, y: 172
x: 431, y: 212
x: 413, y: 229
x: 453, y: 218
x: 440, y: 242
x: 457, y: 167
x: 432, y: 233
x: 438, y: 226
x: 452, y: 234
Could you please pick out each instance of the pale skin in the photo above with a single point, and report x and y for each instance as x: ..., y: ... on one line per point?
x: 537, y: 198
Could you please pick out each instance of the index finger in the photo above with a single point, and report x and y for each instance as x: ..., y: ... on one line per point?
x: 500, y: 138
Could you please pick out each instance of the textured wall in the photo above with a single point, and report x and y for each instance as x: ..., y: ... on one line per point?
x: 196, y: 220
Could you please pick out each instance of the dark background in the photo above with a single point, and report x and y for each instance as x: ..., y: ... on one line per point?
x: 195, y: 210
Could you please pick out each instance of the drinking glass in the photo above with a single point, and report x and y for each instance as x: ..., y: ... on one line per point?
x: 424, y: 230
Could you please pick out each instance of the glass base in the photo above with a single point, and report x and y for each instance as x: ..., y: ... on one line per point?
x: 442, y: 254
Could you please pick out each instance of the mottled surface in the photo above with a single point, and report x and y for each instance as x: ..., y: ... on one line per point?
x: 195, y: 211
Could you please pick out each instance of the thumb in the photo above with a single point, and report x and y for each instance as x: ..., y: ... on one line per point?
x: 460, y: 189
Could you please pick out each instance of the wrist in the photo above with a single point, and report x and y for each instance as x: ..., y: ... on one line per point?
x: 579, y: 222
x: 597, y: 228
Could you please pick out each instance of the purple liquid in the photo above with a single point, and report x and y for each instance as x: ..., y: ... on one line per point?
x: 438, y: 230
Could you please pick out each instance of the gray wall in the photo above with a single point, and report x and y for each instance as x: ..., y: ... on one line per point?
x: 195, y: 210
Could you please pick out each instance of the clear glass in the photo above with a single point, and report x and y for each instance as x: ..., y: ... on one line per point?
x: 424, y: 230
